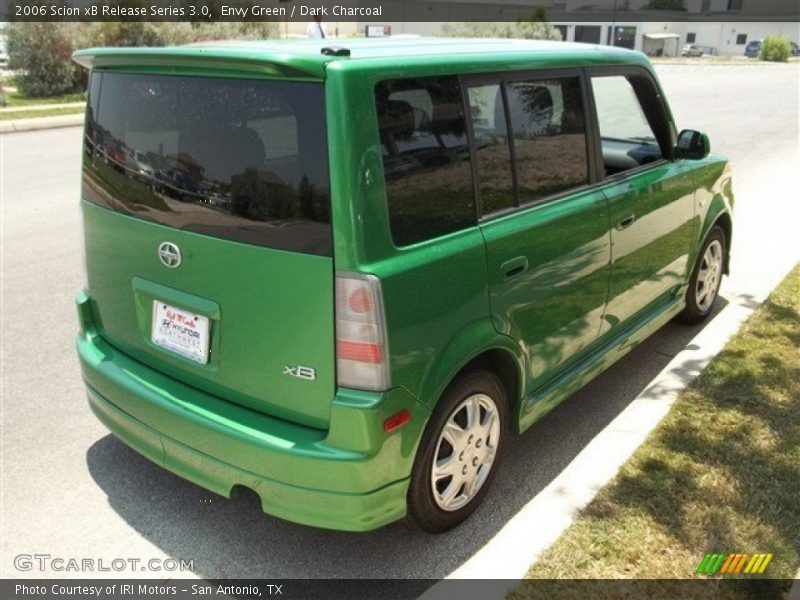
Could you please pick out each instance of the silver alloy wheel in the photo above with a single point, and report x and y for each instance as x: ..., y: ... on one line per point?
x: 708, y: 277
x: 465, y: 452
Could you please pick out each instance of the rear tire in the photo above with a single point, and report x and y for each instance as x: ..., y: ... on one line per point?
x: 458, y: 456
x: 706, y: 278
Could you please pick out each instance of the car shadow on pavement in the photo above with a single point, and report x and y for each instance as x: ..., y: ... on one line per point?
x: 234, y: 539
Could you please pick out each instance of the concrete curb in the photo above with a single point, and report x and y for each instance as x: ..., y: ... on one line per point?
x: 724, y: 63
x: 794, y: 591
x: 518, y: 545
x: 38, y: 123
x: 34, y: 108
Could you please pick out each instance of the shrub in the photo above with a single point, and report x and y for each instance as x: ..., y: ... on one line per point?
x: 136, y: 34
x: 245, y: 30
x: 666, y: 5
x: 534, y: 26
x: 531, y: 30
x: 775, y: 48
x: 42, y: 53
x: 145, y: 33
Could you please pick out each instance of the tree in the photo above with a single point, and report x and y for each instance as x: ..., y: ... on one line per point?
x: 537, y: 27
x: 42, y: 53
x: 534, y: 27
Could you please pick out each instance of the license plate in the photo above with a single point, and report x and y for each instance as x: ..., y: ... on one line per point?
x: 180, y: 331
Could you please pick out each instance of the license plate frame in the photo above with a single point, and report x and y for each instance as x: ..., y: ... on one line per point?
x: 181, y: 332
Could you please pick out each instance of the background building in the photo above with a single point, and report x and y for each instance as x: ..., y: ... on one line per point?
x: 721, y: 27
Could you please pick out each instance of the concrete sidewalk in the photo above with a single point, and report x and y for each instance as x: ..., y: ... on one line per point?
x: 35, y: 123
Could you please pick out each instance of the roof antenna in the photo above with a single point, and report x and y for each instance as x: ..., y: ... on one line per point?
x: 335, y: 51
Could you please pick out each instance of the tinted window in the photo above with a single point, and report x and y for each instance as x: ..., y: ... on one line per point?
x: 425, y: 158
x: 588, y: 34
x: 623, y: 37
x: 549, y: 133
x: 495, y: 173
x: 244, y: 160
x: 628, y: 139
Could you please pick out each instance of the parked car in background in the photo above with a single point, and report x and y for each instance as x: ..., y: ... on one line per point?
x: 753, y: 48
x: 691, y: 50
x: 425, y: 249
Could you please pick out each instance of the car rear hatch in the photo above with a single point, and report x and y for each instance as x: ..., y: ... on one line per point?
x: 208, y: 238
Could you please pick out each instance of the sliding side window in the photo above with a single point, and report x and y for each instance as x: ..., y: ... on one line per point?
x: 492, y: 149
x: 549, y: 132
x: 530, y: 140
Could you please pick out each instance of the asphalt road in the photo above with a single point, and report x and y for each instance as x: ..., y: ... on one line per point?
x: 71, y: 490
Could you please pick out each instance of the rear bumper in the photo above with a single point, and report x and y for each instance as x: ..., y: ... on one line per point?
x: 351, y: 477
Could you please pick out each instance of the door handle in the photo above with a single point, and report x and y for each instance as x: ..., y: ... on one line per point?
x: 515, y: 266
x: 626, y: 222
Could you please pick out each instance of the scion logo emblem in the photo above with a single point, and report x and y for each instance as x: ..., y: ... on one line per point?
x: 169, y: 254
x: 301, y: 372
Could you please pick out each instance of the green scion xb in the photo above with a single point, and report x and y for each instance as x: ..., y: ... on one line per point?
x: 342, y: 275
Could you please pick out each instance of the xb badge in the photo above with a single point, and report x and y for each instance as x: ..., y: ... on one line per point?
x: 300, y: 372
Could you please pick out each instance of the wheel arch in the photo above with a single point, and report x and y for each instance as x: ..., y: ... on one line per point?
x: 725, y: 223
x: 715, y: 201
x: 502, y: 363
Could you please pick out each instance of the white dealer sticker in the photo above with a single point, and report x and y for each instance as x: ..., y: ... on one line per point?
x: 180, y: 331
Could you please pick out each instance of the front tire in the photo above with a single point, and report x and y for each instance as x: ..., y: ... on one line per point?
x: 706, y: 278
x: 459, y: 452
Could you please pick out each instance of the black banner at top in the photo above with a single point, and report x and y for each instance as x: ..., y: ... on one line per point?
x: 391, y: 11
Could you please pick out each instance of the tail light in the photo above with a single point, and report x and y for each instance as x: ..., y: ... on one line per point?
x: 362, y: 357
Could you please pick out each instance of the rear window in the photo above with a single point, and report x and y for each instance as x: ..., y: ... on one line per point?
x: 244, y: 160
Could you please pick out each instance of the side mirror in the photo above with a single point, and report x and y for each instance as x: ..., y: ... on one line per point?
x: 692, y: 145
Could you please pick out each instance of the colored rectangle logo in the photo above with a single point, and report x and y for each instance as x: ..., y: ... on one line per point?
x: 733, y: 564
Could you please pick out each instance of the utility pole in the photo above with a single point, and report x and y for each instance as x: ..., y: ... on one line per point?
x: 613, y: 35
x: 285, y: 23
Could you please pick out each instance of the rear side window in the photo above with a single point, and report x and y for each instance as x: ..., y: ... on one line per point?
x: 244, y: 160
x: 426, y: 159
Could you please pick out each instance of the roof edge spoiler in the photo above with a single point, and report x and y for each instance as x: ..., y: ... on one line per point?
x: 218, y: 58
